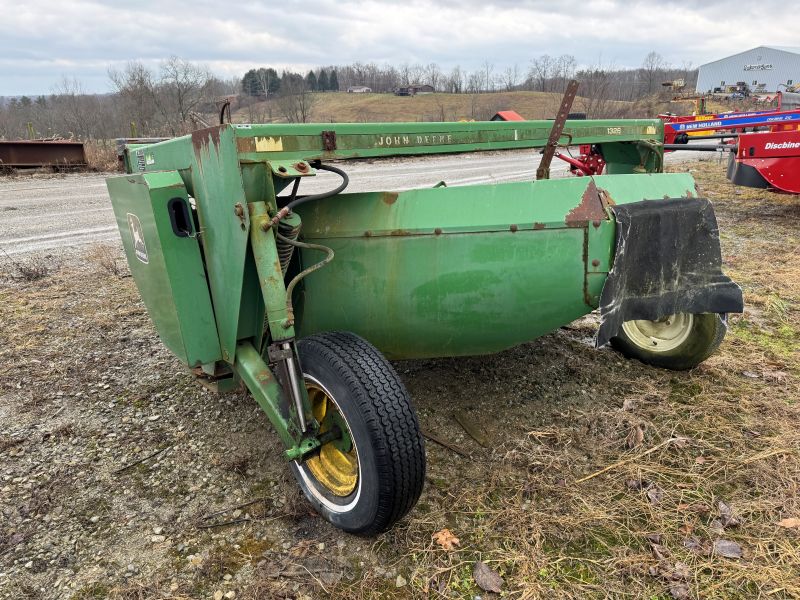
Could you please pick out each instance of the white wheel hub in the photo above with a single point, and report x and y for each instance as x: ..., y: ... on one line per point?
x: 662, y: 335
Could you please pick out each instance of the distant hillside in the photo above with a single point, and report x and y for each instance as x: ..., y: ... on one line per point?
x: 342, y: 107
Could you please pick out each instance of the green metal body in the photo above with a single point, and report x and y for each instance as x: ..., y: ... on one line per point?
x: 427, y: 272
x: 465, y: 270
x: 168, y: 269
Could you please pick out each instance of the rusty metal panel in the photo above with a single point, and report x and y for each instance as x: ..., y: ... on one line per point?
x: 26, y: 154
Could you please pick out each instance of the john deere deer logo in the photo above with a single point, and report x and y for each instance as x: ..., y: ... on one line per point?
x: 139, y: 247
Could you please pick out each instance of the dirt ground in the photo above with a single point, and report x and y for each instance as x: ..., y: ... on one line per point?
x: 121, y: 477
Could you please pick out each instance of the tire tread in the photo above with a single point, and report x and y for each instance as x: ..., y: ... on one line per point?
x: 709, y: 332
x: 399, y: 448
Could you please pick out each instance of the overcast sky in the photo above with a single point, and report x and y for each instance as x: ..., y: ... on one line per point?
x: 44, y: 41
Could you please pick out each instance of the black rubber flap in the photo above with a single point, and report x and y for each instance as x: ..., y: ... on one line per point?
x: 667, y: 261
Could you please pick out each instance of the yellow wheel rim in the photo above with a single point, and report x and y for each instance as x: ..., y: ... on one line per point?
x: 334, y: 469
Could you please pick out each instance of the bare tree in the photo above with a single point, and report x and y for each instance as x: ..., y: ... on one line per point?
x: 181, y: 88
x: 136, y: 91
x: 296, y: 100
x: 433, y: 76
x: 562, y: 71
x: 511, y: 77
x: 486, y: 72
x: 76, y: 108
x: 265, y: 83
x: 540, y: 72
x: 415, y: 73
x: 455, y: 83
x: 474, y: 82
x: 595, y: 90
x: 652, y: 67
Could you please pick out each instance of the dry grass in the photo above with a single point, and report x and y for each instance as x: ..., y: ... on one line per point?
x: 108, y: 258
x: 28, y: 269
x: 101, y: 155
x: 341, y: 107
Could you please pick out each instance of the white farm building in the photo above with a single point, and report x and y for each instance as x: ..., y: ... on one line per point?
x: 763, y: 69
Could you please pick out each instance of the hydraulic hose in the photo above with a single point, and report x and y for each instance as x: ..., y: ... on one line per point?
x: 304, y: 272
x: 296, y: 201
x: 226, y: 105
x: 341, y: 187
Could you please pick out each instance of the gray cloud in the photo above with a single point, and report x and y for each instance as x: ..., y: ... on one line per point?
x: 45, y: 40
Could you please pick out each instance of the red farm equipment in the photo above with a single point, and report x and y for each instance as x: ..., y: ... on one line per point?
x: 677, y: 130
x: 767, y: 160
x: 768, y: 156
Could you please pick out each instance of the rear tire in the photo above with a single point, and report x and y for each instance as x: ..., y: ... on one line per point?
x: 367, y: 486
x: 678, y: 342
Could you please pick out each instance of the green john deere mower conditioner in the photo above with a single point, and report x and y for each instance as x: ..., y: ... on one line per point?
x: 302, y: 298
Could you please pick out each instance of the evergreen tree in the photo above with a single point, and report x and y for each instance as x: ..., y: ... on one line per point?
x: 290, y: 79
x: 261, y: 82
x: 311, y: 81
x: 250, y: 83
x: 333, y: 82
x: 322, y: 81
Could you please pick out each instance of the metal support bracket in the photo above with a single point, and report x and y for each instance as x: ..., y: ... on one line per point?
x: 303, y: 449
x: 284, y: 356
x: 543, y: 172
x: 270, y: 275
x: 269, y: 394
x: 265, y: 388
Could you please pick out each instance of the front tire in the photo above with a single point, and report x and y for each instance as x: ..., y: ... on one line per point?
x: 678, y: 342
x: 373, y: 475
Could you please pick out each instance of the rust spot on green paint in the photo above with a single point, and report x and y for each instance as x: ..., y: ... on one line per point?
x: 245, y: 144
x: 538, y: 225
x: 263, y: 376
x: 589, y: 208
x: 437, y: 231
x: 606, y: 198
x: 389, y: 197
x: 201, y: 137
x: 513, y: 228
x: 400, y: 232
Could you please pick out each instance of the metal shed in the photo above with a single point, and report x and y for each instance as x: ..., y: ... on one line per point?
x: 763, y: 69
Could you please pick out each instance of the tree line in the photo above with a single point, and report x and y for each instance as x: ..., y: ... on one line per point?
x: 265, y: 82
x: 545, y: 73
x: 180, y: 95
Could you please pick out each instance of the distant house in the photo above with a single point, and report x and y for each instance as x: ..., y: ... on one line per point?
x: 359, y: 89
x: 413, y: 90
